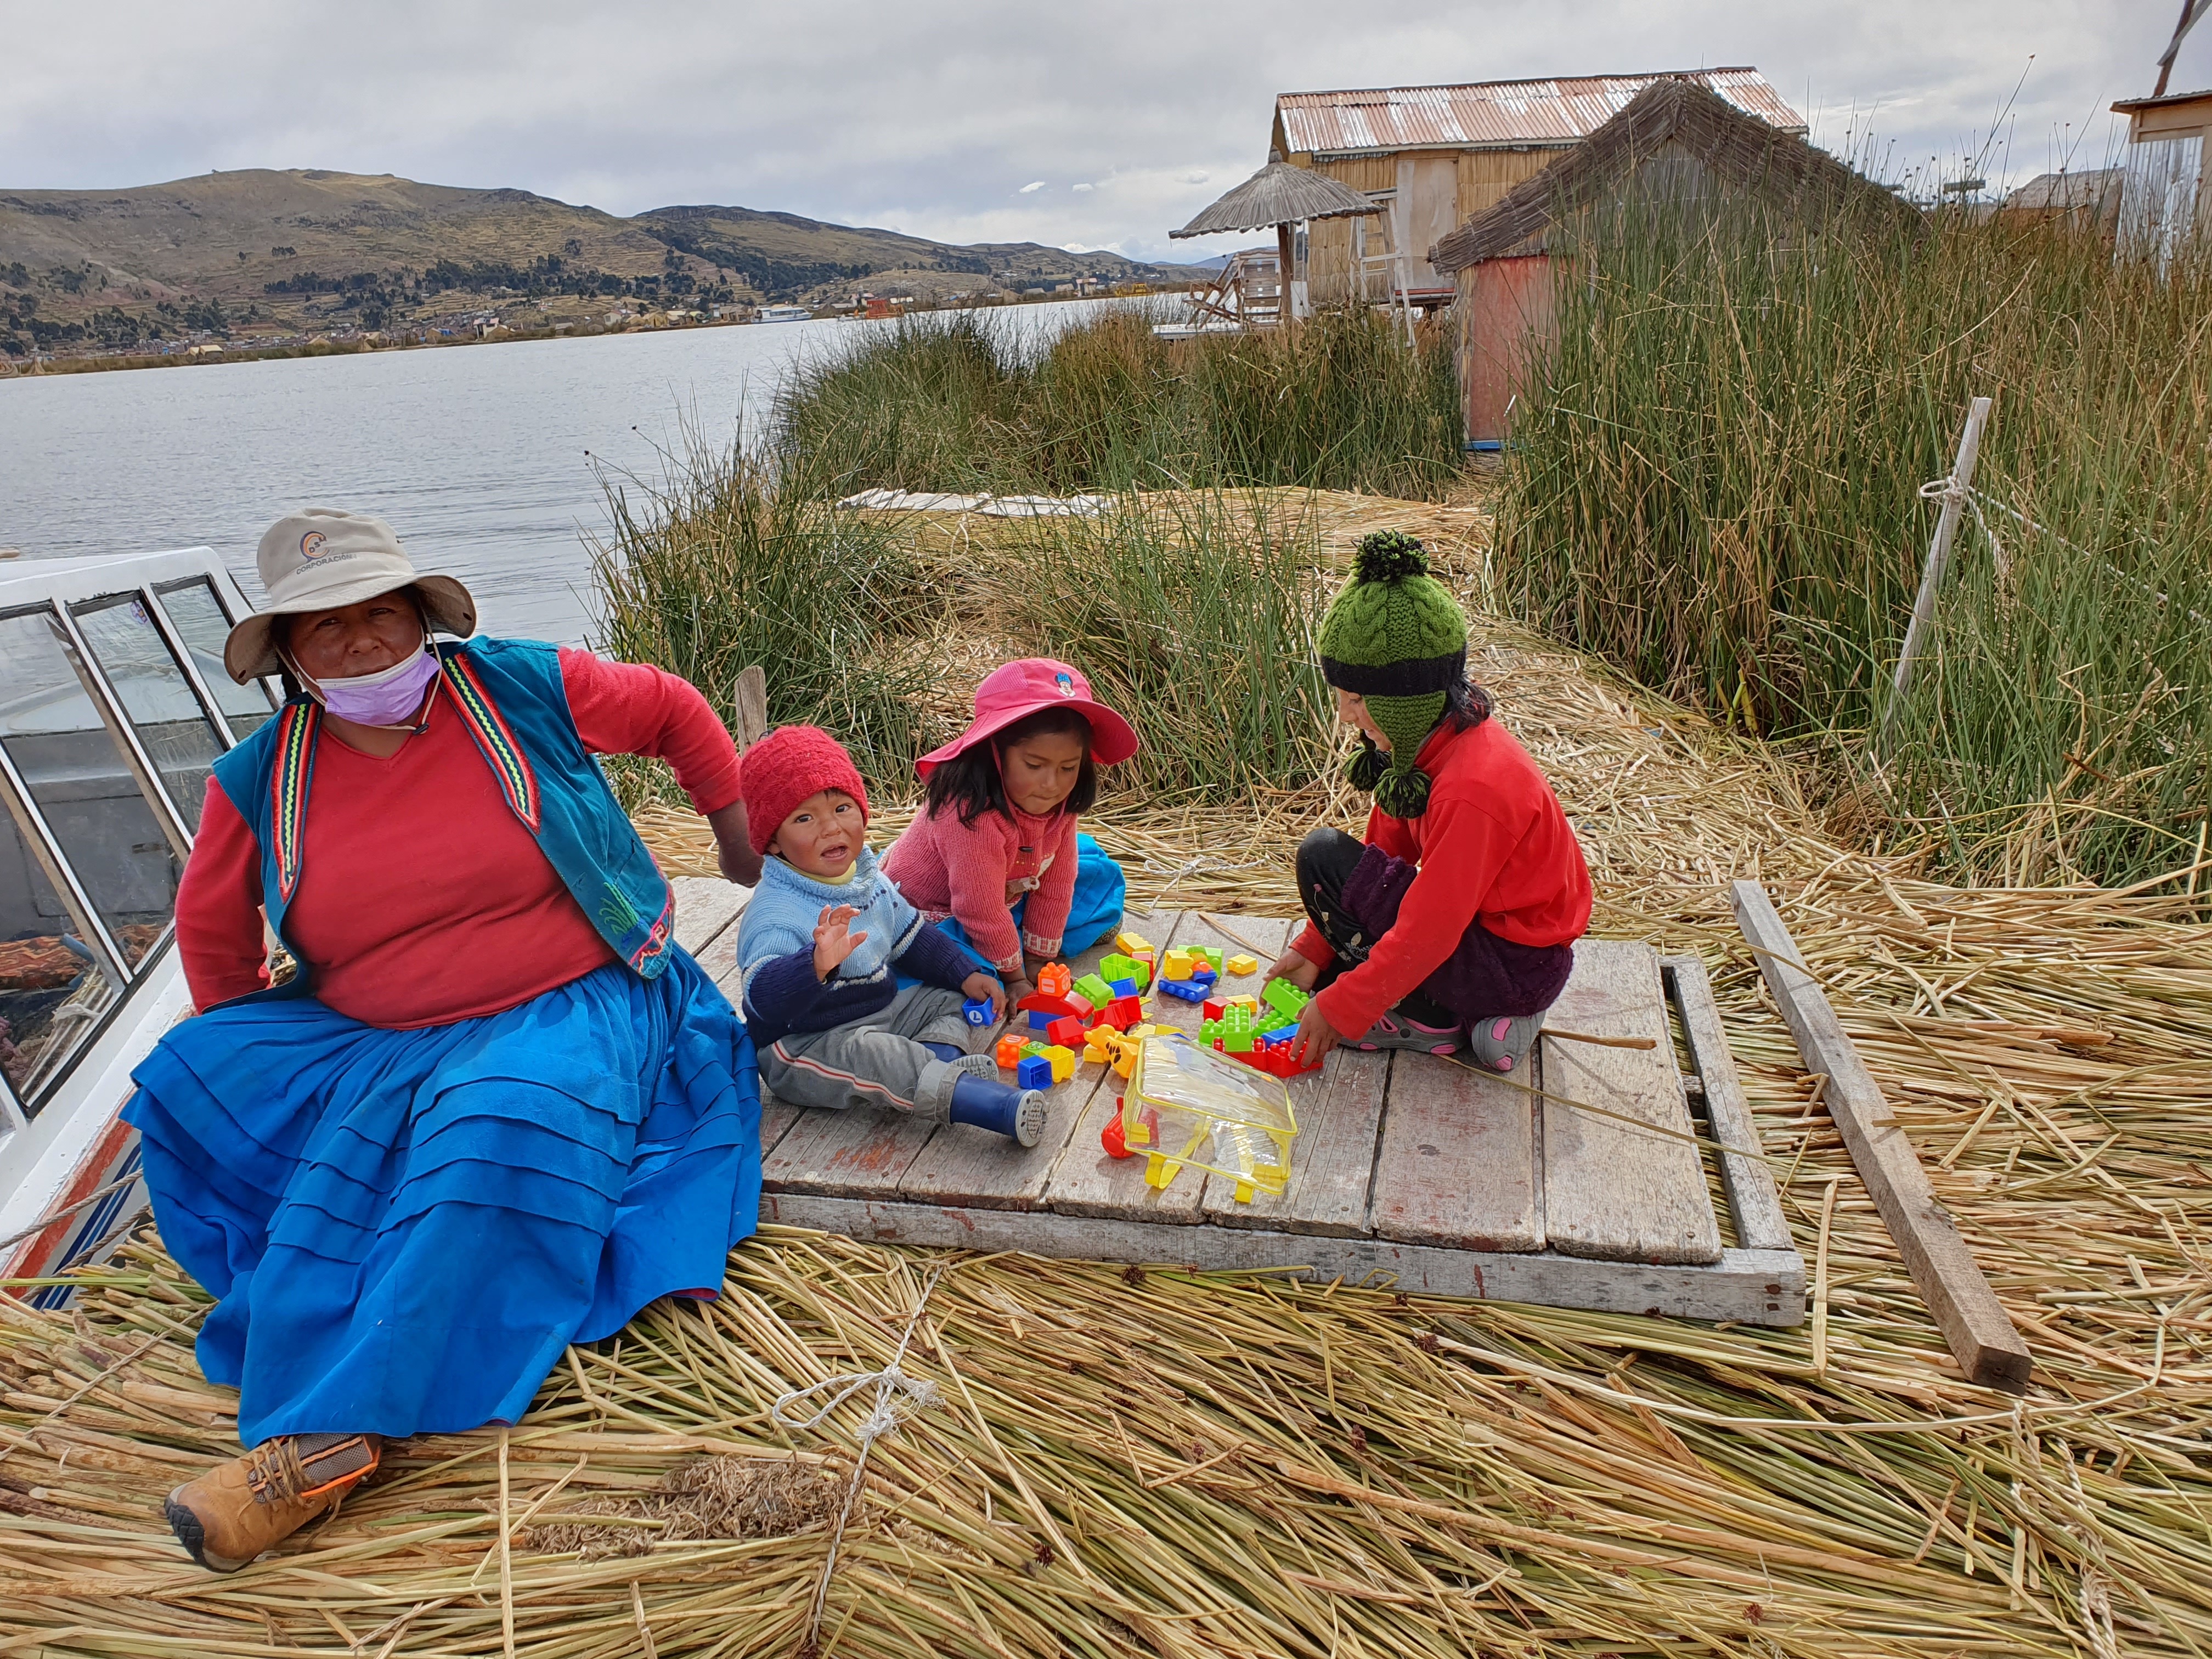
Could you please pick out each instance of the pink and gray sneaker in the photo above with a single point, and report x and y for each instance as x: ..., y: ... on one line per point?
x: 1394, y: 1030
x: 1502, y: 1043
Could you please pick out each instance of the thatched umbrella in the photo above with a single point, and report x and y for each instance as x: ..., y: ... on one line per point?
x: 1280, y: 195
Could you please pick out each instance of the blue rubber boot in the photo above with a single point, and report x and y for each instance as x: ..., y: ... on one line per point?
x: 961, y: 1060
x: 1000, y: 1107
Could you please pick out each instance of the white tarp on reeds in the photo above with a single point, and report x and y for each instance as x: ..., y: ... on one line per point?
x: 993, y: 507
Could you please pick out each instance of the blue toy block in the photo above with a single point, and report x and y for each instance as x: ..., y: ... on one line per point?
x: 1122, y: 987
x: 1034, y: 1073
x: 1041, y: 1018
x: 1183, y: 990
x: 976, y: 1011
x: 1280, y: 1034
x: 1203, y: 975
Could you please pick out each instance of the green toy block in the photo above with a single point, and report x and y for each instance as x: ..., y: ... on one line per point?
x: 1236, y: 1033
x: 1208, y: 1030
x: 1117, y: 966
x: 1210, y: 952
x: 1286, y: 998
x: 1094, y: 990
x: 1029, y: 1049
x: 1273, y: 1020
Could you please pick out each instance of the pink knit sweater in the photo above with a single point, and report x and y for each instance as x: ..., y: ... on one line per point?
x: 977, y: 873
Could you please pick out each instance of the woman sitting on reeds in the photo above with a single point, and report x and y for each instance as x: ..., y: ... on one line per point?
x: 498, y: 1108
x: 1460, y: 911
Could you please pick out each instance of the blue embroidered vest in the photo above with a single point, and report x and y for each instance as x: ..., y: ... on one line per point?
x: 509, y: 695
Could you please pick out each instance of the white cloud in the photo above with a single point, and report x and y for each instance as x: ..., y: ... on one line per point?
x: 1083, y: 190
x: 1031, y: 188
x: 890, y: 117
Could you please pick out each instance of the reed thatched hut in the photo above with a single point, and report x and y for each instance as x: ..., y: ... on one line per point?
x: 1675, y: 140
x: 1431, y: 157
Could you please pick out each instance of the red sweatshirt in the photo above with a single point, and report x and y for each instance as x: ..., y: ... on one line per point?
x: 978, y: 873
x: 1492, y: 847
x: 423, y: 899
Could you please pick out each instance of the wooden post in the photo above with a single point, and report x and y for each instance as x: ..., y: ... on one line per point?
x: 1283, y: 251
x: 1981, y: 1336
x: 1938, y: 555
x: 749, y: 698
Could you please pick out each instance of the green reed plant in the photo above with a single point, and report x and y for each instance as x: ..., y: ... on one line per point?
x: 1716, y: 484
x: 970, y: 403
x: 1198, y: 618
x: 714, y: 567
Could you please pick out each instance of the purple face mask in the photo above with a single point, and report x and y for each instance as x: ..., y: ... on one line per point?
x: 385, y: 698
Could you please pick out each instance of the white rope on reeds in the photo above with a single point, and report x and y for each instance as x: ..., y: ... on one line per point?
x: 898, y: 1397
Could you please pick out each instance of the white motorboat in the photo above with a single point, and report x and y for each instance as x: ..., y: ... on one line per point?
x: 113, y: 708
x: 782, y: 314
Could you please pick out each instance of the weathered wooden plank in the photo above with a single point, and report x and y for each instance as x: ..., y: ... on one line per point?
x: 1753, y: 1202
x: 854, y: 1153
x: 1340, y: 1113
x: 1611, y: 1191
x: 1456, y: 1166
x: 963, y: 1165
x: 1973, y: 1322
x: 776, y: 1118
x: 749, y: 705
x: 1750, y: 1287
x: 705, y: 906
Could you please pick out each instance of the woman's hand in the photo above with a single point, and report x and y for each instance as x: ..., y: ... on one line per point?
x: 733, y: 846
x: 981, y: 986
x: 1316, y: 1036
x: 1302, y: 971
x: 833, y: 939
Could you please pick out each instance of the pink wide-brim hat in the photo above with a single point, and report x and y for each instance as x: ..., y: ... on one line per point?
x: 1015, y: 690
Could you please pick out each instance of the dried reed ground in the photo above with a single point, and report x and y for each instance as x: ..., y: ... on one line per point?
x: 1163, y: 1463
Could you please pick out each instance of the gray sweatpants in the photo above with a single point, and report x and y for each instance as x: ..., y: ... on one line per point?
x: 877, y: 1062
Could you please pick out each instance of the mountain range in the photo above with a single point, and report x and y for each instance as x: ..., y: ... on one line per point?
x: 313, y: 248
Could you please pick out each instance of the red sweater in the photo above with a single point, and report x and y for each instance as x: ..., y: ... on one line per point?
x: 1492, y: 847
x: 977, y: 873
x: 423, y: 899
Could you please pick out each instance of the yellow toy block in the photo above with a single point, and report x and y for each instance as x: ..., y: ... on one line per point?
x: 1240, y: 1002
x: 1099, y: 1042
x: 1177, y: 965
x: 1063, y: 1062
x: 1241, y: 965
x: 1131, y: 943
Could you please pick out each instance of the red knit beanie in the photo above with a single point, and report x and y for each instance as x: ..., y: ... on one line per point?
x: 790, y: 765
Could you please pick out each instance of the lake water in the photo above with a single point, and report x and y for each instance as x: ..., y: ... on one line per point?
x: 481, y: 457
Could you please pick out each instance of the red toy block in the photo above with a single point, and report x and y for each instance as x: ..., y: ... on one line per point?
x: 1066, y: 1031
x: 1111, y: 1137
x: 1213, y: 1010
x: 1071, y: 1004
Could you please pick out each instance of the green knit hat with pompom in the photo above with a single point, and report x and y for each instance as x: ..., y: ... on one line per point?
x: 1395, y: 636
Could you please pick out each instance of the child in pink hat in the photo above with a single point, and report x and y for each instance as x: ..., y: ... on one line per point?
x: 995, y: 855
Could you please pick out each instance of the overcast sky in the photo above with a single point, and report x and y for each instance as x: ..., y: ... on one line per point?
x: 1082, y: 125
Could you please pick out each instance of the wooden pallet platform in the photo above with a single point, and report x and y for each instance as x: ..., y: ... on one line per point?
x: 1408, y: 1170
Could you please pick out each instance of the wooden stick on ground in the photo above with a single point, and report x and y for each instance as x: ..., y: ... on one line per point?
x: 1989, y: 1350
x: 1602, y: 1042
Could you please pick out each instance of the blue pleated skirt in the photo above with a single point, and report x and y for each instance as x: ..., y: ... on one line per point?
x: 403, y: 1230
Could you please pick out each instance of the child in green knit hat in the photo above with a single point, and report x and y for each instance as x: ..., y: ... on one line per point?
x: 1460, y: 911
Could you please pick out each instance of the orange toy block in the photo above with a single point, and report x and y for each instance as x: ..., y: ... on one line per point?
x: 1009, y: 1053
x: 1054, y: 980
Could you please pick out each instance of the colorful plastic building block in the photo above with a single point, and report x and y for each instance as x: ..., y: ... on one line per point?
x: 1176, y: 965
x: 1093, y: 990
x: 1111, y: 1137
x: 1034, y: 1072
x: 1282, y: 995
x: 1209, y: 1031
x: 1241, y: 964
x: 1148, y: 960
x: 1123, y: 1012
x: 1062, y: 1061
x: 1009, y: 1053
x: 1041, y: 1018
x: 1114, y: 965
x: 1069, y: 1002
x: 1202, y: 975
x: 1210, y: 953
x: 1273, y: 1020
x: 1124, y: 989
x: 1066, y: 1031
x: 1032, y: 1047
x: 976, y: 1011
x: 1054, y: 980
x: 1213, y: 1009
x: 1100, y: 1041
x: 1183, y: 990
x: 1244, y: 1001
x: 1280, y: 1034
x: 1237, y: 1034
x: 1130, y: 943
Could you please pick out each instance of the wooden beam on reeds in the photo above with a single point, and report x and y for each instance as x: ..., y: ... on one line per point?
x: 1939, y: 556
x: 1981, y: 1336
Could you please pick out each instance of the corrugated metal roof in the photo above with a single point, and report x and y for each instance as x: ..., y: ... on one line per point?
x: 1496, y: 113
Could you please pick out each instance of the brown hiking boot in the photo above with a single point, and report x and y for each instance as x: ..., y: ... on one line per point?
x: 239, y: 1509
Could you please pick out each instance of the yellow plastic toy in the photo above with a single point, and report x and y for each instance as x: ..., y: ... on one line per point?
x: 1063, y: 1062
x: 1177, y: 965
x: 1131, y: 943
x: 1187, y: 1105
x: 1242, y: 965
x: 1100, y: 1041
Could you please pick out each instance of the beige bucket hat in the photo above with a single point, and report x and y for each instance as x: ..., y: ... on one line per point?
x: 319, y: 558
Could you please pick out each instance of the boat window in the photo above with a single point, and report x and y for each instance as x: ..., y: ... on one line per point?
x: 197, y: 616
x: 172, y: 728
x: 82, y: 784
x: 53, y: 990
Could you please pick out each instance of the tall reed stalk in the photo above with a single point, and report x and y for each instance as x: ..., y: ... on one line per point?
x: 967, y: 403
x: 1716, y: 486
